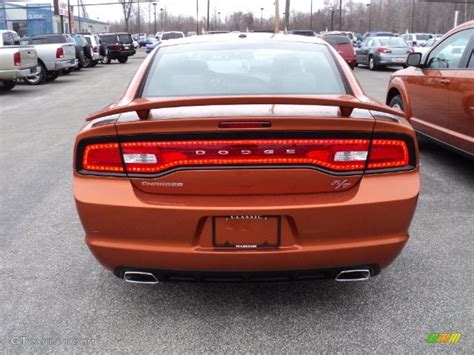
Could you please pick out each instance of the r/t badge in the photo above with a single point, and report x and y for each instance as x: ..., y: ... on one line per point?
x: 341, y: 184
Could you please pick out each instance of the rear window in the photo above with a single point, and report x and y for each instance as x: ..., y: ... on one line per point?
x: 393, y: 41
x: 88, y: 40
x: 255, y: 68
x: 335, y: 40
x: 171, y: 35
x: 109, y: 39
x: 48, y: 40
x: 125, y: 38
x: 422, y: 37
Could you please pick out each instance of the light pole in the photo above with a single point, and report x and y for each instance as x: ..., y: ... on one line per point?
x: 369, y: 7
x: 218, y: 20
x: 261, y: 17
x: 154, y: 12
x: 208, y: 11
x: 340, y: 15
x: 161, y: 19
x: 197, y: 17
x: 311, y: 16
x: 413, y: 16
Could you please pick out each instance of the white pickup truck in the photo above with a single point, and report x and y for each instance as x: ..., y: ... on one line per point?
x: 15, y: 61
x: 54, y: 54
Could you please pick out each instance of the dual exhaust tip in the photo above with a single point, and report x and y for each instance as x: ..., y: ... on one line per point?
x: 148, y: 278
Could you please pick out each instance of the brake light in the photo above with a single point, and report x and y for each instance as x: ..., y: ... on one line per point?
x: 102, y: 158
x: 17, y: 58
x: 59, y: 53
x: 117, y: 46
x: 384, y: 50
x: 95, y: 49
x: 338, y: 155
x: 388, y: 153
x: 410, y: 50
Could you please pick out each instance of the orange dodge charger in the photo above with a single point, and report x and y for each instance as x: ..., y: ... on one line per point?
x: 245, y: 157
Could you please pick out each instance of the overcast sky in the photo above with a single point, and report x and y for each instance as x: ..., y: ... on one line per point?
x: 188, y: 7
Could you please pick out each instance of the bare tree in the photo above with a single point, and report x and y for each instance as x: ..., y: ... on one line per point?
x: 127, y: 11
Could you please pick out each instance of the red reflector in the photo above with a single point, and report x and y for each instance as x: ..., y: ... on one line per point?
x: 17, y: 58
x: 313, y: 152
x: 59, y: 53
x: 243, y: 124
x: 102, y: 157
x: 388, y: 153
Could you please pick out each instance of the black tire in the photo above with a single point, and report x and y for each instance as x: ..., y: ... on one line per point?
x: 372, y: 65
x: 123, y: 59
x: 7, y: 85
x: 86, y: 63
x: 38, y: 78
x: 106, y: 59
x: 93, y: 63
x: 52, y: 76
x: 66, y: 71
x: 396, y: 102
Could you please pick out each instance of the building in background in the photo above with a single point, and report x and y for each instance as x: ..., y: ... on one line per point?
x: 32, y: 19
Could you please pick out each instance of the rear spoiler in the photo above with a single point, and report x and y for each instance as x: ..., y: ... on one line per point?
x: 142, y: 107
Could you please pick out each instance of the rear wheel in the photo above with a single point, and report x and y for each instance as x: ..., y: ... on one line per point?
x: 66, y: 71
x: 93, y: 63
x: 38, y: 78
x: 123, y: 59
x: 87, y: 62
x: 6, y: 85
x: 372, y: 65
x: 396, y: 102
x: 106, y: 59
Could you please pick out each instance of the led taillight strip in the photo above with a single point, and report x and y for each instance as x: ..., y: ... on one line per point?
x: 153, y: 157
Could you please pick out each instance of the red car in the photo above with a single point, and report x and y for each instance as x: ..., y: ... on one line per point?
x: 246, y: 157
x: 343, y: 46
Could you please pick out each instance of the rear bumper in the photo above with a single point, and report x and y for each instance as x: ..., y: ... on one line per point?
x: 367, y: 225
x: 254, y: 276
x: 392, y: 60
x: 65, y: 64
x: 121, y: 54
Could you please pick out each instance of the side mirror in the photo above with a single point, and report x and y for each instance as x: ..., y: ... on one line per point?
x: 414, y: 60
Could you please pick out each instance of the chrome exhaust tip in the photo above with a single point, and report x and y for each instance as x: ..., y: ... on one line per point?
x: 140, y: 277
x: 353, y: 275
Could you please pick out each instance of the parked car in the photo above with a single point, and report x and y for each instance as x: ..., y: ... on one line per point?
x: 436, y: 91
x: 343, y: 46
x: 416, y: 39
x: 164, y: 36
x: 16, y: 61
x: 425, y: 47
x: 376, y: 52
x: 81, y: 42
x: 308, y: 33
x: 55, y: 53
x: 94, y: 43
x: 119, y: 46
x: 200, y: 181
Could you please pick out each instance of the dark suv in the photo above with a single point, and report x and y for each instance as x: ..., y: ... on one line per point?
x: 119, y: 46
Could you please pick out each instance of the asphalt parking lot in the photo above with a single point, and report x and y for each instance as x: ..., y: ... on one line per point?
x: 55, y: 297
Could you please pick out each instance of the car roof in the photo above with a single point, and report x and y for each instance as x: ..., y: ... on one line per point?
x: 236, y: 37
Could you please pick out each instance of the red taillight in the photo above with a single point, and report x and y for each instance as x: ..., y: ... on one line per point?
x: 338, y: 155
x: 95, y: 49
x: 117, y: 46
x: 102, y: 158
x: 17, y: 58
x: 59, y: 53
x: 388, y: 153
x: 384, y: 50
x: 410, y: 50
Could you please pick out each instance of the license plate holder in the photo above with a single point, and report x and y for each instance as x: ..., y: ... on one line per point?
x: 246, y: 231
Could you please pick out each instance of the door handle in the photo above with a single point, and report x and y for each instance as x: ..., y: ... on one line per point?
x: 444, y: 81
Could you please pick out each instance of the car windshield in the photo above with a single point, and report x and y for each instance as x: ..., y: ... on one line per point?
x: 335, y: 40
x: 393, y: 42
x: 254, y: 68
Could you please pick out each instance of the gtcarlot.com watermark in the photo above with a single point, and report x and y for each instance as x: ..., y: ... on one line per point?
x: 24, y: 340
